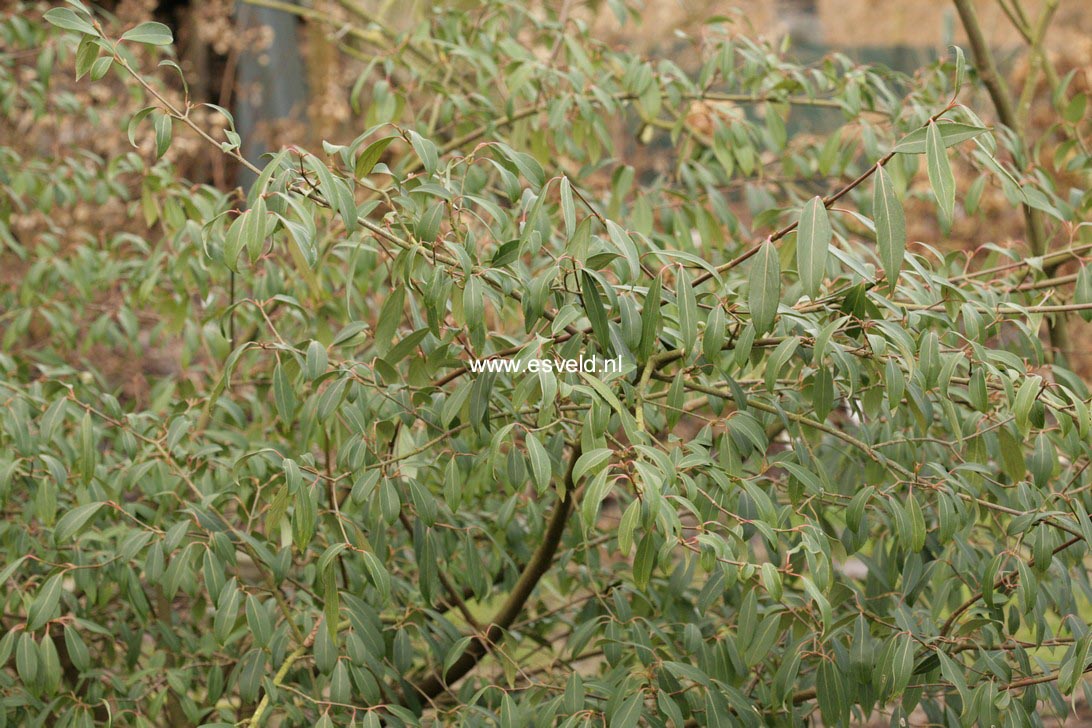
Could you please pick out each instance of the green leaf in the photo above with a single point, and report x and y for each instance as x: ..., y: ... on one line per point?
x: 597, y: 489
x: 1082, y: 291
x: 1042, y: 461
x: 69, y: 20
x: 367, y: 159
x: 629, y: 424
x: 70, y: 523
x: 283, y: 394
x: 770, y: 627
x: 821, y: 601
x: 78, y: 653
x: 940, y: 173
x: 822, y: 395
x: 44, y: 606
x: 316, y: 360
x: 644, y: 561
x: 378, y: 574
x: 1072, y: 670
x: 902, y: 665
x: 650, y: 319
x: 87, y: 449
x: 26, y: 658
x: 456, y: 651
x: 688, y: 310
x: 163, y: 127
x: 765, y: 287
x: 951, y: 133
x: 390, y: 501
x: 100, y: 68
x: 428, y: 225
x: 890, y: 225
x: 258, y: 620
x: 426, y: 151
x: 961, y: 68
x: 340, y: 688
x: 150, y: 33
x: 590, y: 462
x: 473, y: 302
x: 540, y: 463
x: 1012, y: 455
x: 252, y: 669
x: 246, y: 231
x: 1025, y: 399
x: 629, y: 712
x: 325, y: 650
x: 335, y: 190
x: 227, y: 609
x: 568, y: 207
x: 713, y: 339
x: 830, y: 692
x: 304, y: 516
x: 391, y: 313
x: 917, y: 524
x: 331, y: 603
x: 813, y: 238
x: 977, y: 392
x: 49, y: 665
x: 134, y: 122
x: 597, y: 315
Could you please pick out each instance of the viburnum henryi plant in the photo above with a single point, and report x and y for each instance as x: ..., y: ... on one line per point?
x: 840, y: 472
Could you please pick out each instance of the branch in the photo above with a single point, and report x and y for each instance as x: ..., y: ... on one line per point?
x: 827, y: 202
x: 1039, y: 63
x: 291, y: 659
x: 998, y: 584
x: 533, y: 572
x: 987, y: 68
x: 1002, y: 102
x: 905, y: 473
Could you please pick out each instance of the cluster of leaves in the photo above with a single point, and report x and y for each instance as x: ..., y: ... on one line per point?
x: 342, y: 521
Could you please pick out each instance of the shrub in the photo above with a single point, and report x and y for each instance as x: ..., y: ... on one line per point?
x: 838, y: 470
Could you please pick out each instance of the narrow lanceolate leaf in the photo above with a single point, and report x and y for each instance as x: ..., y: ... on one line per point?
x: 940, y: 173
x: 1082, y: 291
x: 812, y: 243
x: 644, y: 561
x: 628, y: 713
x: 234, y: 241
x: 540, y: 463
x: 163, y: 129
x: 902, y: 666
x: 73, y: 520
x: 917, y: 524
x: 253, y: 230
x: 714, y: 336
x: 650, y: 320
x: 227, y: 609
x: 830, y: 692
x: 688, y: 311
x: 597, y: 315
x: 44, y: 606
x: 283, y: 394
x: 890, y: 225
x: 765, y: 285
x: 568, y: 207
x: 951, y: 133
x: 381, y: 579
